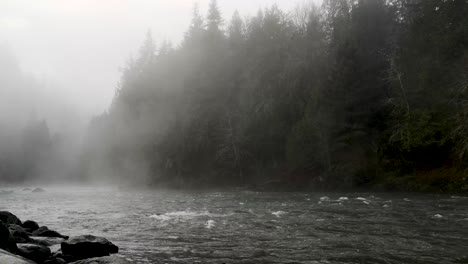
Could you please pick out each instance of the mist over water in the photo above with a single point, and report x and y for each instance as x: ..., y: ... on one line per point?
x: 261, y: 131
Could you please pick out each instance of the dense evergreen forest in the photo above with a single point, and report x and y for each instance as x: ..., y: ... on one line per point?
x: 351, y: 94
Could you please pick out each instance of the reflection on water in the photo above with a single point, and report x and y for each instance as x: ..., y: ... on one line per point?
x: 253, y: 227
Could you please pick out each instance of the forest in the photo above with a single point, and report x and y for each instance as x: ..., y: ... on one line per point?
x: 32, y: 146
x: 351, y: 94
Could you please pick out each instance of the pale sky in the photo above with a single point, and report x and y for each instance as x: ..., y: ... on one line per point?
x: 76, y: 47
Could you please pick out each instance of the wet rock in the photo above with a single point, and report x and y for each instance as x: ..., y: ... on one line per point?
x: 38, y: 190
x: 88, y: 246
x: 60, y: 255
x: 52, y: 242
x: 19, y: 234
x: 30, y: 226
x: 47, y: 241
x: 9, y: 218
x: 43, y: 231
x: 55, y: 261
x: 8, y: 258
x: 7, y: 241
x: 34, y: 252
x: 103, y: 260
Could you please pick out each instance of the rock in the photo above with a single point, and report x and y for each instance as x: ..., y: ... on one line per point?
x: 4, y: 232
x: 60, y: 255
x: 43, y: 231
x: 88, y: 246
x: 103, y: 260
x: 26, y: 189
x: 7, y: 241
x: 55, y: 261
x: 47, y: 241
x: 52, y: 242
x: 8, y: 258
x: 5, y: 192
x: 9, y: 218
x: 38, y: 190
x: 34, y: 252
x: 19, y: 234
x: 30, y: 226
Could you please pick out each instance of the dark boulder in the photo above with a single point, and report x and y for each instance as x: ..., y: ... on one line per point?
x: 34, y: 252
x: 7, y: 241
x: 4, y: 232
x: 30, y: 226
x: 43, y: 231
x: 8, y: 258
x: 38, y: 190
x: 103, y: 260
x: 19, y: 234
x: 88, y: 246
x: 9, y: 218
x: 40, y: 230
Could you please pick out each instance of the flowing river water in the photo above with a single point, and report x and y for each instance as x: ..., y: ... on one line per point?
x: 256, y: 227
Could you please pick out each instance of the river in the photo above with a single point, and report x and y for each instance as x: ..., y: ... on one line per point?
x: 256, y: 227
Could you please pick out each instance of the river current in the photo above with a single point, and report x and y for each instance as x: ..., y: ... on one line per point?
x: 256, y: 227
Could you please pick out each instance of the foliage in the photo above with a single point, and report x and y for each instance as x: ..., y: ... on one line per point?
x: 335, y: 96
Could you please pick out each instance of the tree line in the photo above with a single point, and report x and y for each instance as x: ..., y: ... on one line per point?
x: 32, y: 146
x: 352, y: 93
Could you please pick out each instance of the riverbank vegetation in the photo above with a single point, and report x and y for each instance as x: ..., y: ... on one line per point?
x: 350, y: 94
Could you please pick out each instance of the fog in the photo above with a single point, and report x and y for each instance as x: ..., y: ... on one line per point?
x: 77, y: 47
x: 62, y: 61
x: 243, y: 131
x: 253, y: 94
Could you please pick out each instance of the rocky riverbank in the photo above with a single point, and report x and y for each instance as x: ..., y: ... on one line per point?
x: 28, y: 243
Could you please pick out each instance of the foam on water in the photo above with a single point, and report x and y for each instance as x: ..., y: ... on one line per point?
x: 199, y: 227
x: 160, y: 217
x: 180, y: 215
x: 188, y: 214
x: 278, y: 213
x: 210, y: 224
x: 458, y: 197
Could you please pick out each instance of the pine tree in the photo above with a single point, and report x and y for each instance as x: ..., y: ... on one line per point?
x: 214, y: 19
x: 236, y: 30
x: 147, y: 52
x: 196, y: 28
